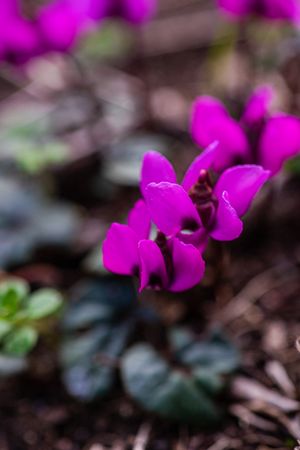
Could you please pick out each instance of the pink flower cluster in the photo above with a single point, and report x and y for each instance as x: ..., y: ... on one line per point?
x: 185, y: 215
x: 56, y: 26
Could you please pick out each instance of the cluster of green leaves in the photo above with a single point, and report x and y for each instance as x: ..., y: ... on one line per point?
x: 22, y: 314
x: 103, y: 319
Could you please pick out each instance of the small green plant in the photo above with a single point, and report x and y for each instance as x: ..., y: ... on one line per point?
x: 23, y: 316
x: 181, y: 382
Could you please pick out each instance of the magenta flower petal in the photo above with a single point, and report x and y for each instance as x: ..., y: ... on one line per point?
x: 139, y: 219
x: 241, y: 183
x: 9, y: 9
x: 203, y: 161
x: 228, y: 225
x: 60, y: 24
x: 279, y: 141
x: 156, y: 168
x: 257, y: 107
x: 120, y: 250
x: 97, y: 9
x: 188, y: 266
x: 269, y: 9
x: 134, y: 11
x: 153, y: 269
x: 282, y: 10
x: 237, y: 8
x: 198, y: 239
x: 171, y: 209
x: 211, y: 122
x: 137, y: 11
x: 204, y: 110
x: 20, y: 41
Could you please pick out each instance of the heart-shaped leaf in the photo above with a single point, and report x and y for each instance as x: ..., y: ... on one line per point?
x: 99, y: 301
x: 217, y: 353
x: 169, y: 393
x: 89, y: 361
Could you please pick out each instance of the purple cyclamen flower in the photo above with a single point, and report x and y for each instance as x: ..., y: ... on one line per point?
x: 60, y: 23
x: 258, y: 138
x: 55, y: 27
x: 284, y: 10
x: 19, y: 40
x: 161, y: 263
x: 133, y: 11
x: 196, y: 205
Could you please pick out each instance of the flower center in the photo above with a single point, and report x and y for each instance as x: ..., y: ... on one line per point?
x: 204, y: 199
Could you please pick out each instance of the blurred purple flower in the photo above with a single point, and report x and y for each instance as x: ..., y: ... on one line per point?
x: 160, y: 264
x: 57, y: 25
x: 60, y: 23
x: 286, y: 10
x: 18, y: 37
x: 133, y: 11
x: 258, y: 138
x: 196, y: 205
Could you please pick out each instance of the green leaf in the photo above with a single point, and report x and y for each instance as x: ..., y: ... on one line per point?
x: 34, y: 158
x: 20, y: 341
x: 98, y: 321
x: 217, y: 353
x: 43, y: 303
x: 20, y: 287
x: 212, y: 383
x: 5, y: 328
x: 99, y: 301
x: 84, y: 315
x: 169, y: 393
x: 12, y: 293
x: 77, y: 348
x: 88, y: 361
